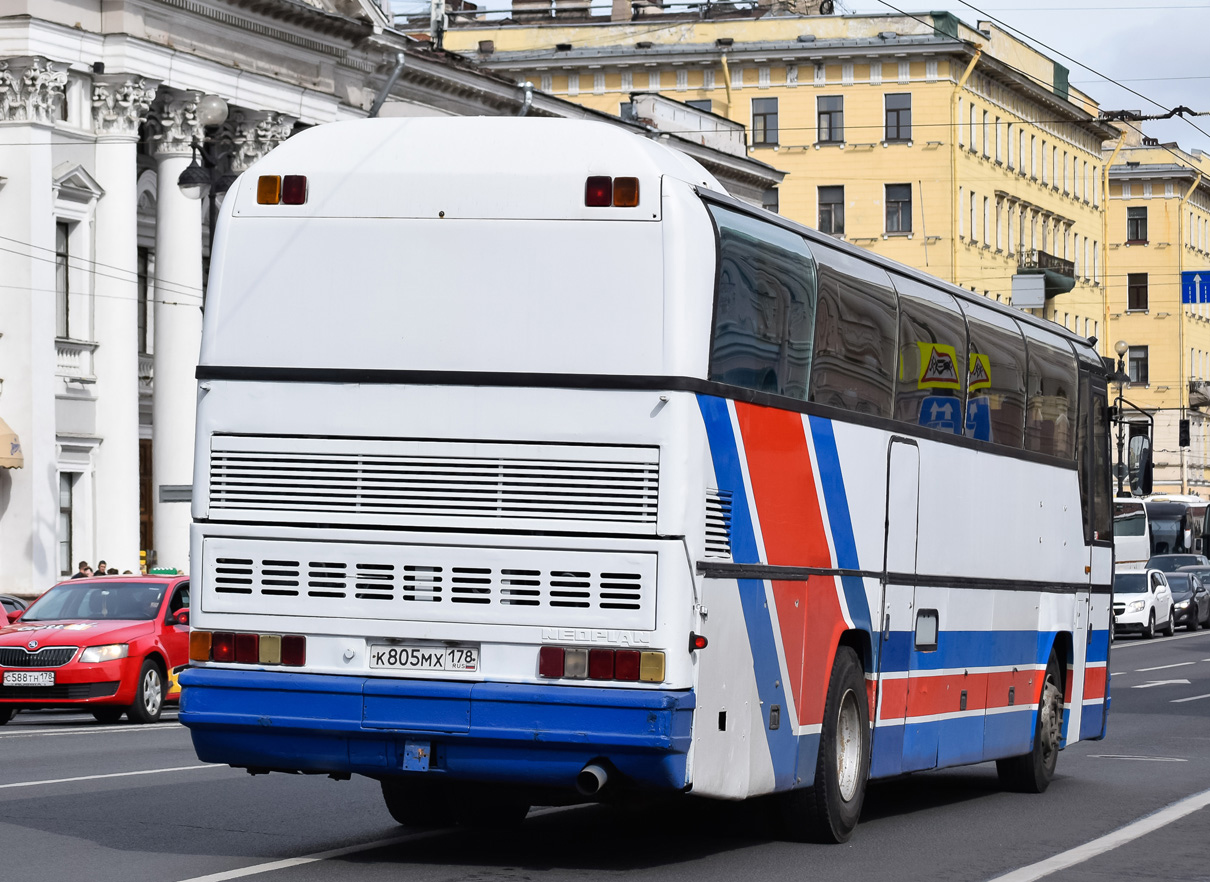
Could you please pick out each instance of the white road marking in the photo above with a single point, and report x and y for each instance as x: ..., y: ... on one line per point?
x: 1163, y: 667
x: 1118, y: 644
x: 1192, y: 698
x: 1109, y: 841
x: 1161, y: 683
x: 1148, y: 759
x: 156, y: 727
x: 111, y: 775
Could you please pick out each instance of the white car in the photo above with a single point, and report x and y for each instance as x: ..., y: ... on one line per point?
x: 1142, y: 602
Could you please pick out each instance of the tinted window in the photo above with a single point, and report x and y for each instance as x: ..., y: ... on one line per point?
x: 931, y: 380
x: 1129, y: 519
x: 1103, y: 523
x: 1051, y: 384
x: 856, y: 329
x: 1181, y: 584
x: 995, y: 407
x: 107, y: 600
x: 765, y: 307
x: 1130, y: 583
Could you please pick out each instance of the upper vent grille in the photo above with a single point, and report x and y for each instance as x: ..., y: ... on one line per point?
x: 348, y: 480
x: 718, y: 523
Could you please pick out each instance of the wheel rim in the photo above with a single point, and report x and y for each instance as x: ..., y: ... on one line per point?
x: 1052, y: 721
x: 151, y: 691
x: 848, y: 745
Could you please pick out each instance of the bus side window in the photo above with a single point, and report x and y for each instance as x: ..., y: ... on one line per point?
x: 855, y: 335
x: 1102, y: 494
x: 1050, y: 408
x: 930, y: 385
x: 764, y: 314
x: 995, y: 407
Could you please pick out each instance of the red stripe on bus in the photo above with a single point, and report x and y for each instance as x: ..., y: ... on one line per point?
x: 1094, y: 682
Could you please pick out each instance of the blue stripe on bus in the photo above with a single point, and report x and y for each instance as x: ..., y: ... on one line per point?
x: 836, y: 499
x: 1098, y: 646
x: 728, y: 473
x: 968, y: 649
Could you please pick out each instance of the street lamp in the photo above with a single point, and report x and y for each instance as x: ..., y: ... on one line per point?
x: 1121, y: 348
x: 203, y: 178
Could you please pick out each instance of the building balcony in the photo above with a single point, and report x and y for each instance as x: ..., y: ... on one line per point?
x: 1060, y: 274
x: 1199, y: 393
x: 74, y: 360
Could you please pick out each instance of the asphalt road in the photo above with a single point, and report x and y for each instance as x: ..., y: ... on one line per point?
x: 79, y: 800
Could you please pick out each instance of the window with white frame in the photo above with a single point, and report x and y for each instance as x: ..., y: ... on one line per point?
x: 62, y: 278
x: 898, y: 208
x: 66, y: 500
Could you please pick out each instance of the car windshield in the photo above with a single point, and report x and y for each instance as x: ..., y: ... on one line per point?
x: 1168, y: 563
x: 110, y: 600
x: 1181, y: 585
x: 1130, y: 583
x: 1129, y: 519
x: 1166, y: 534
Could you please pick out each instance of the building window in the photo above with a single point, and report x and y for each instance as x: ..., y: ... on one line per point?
x: 973, y: 146
x: 770, y: 201
x: 1136, y: 224
x: 1136, y: 291
x: 831, y: 119
x: 899, y: 116
x: 831, y: 210
x: 62, y: 289
x: 999, y: 141
x: 898, y: 208
x: 1136, y: 365
x: 65, y: 506
x: 764, y: 120
x: 986, y: 134
x: 702, y: 104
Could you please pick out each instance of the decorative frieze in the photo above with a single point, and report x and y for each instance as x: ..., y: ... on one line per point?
x: 120, y: 103
x: 254, y: 133
x: 31, y: 89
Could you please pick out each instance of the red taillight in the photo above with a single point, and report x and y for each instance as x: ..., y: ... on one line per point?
x: 697, y: 641
x: 599, y: 192
x: 600, y: 664
x: 294, y: 650
x: 550, y: 661
x: 222, y: 646
x: 626, y: 664
x: 294, y: 189
x: 247, y: 649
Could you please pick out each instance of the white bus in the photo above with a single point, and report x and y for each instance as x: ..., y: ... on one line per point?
x: 532, y: 468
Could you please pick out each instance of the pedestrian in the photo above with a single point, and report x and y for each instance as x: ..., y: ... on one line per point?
x: 84, y: 572
x: 113, y: 571
x: 102, y: 568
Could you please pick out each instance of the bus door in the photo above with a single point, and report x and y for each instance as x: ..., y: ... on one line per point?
x: 898, y: 586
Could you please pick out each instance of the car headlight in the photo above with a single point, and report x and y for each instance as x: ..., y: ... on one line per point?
x: 109, y: 652
x: 1184, y: 604
x: 1136, y: 605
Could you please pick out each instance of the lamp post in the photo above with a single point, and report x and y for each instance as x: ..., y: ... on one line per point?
x: 1121, y: 348
x: 205, y: 179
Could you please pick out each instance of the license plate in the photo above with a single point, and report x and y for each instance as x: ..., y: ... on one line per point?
x: 415, y: 657
x: 29, y: 678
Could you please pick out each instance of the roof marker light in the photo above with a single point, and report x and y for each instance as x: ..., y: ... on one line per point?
x: 268, y: 190
x: 625, y: 192
x: 598, y: 193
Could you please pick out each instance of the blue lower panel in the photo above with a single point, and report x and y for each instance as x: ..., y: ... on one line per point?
x: 1009, y: 734
x: 508, y: 732
x: 1092, y: 722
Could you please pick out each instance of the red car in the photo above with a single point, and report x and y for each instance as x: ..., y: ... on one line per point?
x: 108, y: 645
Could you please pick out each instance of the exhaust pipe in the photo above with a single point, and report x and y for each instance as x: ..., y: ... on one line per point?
x: 591, y: 779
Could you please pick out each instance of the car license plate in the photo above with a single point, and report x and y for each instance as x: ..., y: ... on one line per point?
x: 416, y: 657
x: 29, y: 678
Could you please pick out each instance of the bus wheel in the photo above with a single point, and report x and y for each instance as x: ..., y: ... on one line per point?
x: 828, y: 810
x: 1031, y: 772
x: 487, y: 807
x: 417, y: 803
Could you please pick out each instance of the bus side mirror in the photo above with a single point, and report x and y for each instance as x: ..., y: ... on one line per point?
x: 1141, y: 467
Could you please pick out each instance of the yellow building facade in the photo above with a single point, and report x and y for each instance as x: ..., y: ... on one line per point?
x: 1159, y: 257
x: 954, y: 149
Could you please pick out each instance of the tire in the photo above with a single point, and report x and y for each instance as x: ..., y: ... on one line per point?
x: 1032, y: 772
x: 1170, y: 628
x: 6, y: 714
x: 829, y: 809
x: 108, y: 714
x: 1149, y: 631
x: 149, y: 696
x: 417, y: 802
x: 487, y: 808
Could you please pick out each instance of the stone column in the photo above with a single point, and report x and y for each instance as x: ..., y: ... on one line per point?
x: 31, y: 91
x: 119, y: 104
x: 178, y: 325
x: 254, y: 133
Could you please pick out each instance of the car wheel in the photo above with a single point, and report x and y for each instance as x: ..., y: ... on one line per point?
x: 6, y: 714
x: 417, y: 802
x: 1170, y: 627
x: 1031, y: 772
x: 1149, y: 631
x: 829, y: 809
x: 149, y: 697
x: 108, y: 714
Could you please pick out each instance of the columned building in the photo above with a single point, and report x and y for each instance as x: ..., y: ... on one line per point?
x: 114, y: 119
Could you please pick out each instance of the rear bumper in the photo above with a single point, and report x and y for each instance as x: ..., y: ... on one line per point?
x: 497, y: 732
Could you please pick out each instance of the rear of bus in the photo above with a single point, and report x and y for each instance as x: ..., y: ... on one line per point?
x: 446, y: 503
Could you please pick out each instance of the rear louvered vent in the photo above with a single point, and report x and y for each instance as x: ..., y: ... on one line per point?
x: 385, y: 482
x: 718, y: 524
x: 506, y: 585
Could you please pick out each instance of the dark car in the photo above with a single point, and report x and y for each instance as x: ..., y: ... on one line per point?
x: 1191, y: 599
x: 1170, y: 563
x: 108, y: 645
x: 12, y: 605
x: 1203, y: 575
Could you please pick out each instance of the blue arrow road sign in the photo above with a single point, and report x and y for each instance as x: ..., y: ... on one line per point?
x: 1195, y: 286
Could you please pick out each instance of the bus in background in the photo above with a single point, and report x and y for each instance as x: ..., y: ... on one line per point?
x: 1167, y: 524
x: 532, y: 468
x: 1131, y: 534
